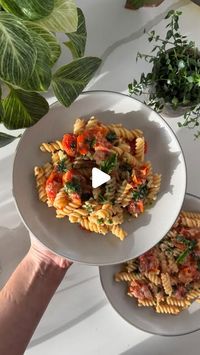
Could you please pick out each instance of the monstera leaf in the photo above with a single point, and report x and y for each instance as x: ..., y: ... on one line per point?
x: 23, y: 109
x: 17, y: 51
x: 70, y: 80
x: 28, y: 9
x: 63, y: 18
x: 78, y: 39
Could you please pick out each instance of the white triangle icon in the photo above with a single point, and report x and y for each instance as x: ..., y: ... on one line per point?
x: 99, y: 177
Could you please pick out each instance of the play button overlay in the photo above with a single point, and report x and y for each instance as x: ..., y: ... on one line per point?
x: 99, y: 177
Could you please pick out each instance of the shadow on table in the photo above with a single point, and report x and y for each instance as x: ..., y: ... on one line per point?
x: 157, y: 345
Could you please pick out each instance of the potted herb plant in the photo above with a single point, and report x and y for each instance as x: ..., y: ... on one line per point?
x: 136, y: 4
x: 29, y: 49
x: 173, y: 85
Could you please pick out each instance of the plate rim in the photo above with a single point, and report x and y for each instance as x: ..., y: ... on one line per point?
x: 55, y: 103
x: 135, y: 325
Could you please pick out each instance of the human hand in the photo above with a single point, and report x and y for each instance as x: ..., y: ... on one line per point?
x: 40, y: 253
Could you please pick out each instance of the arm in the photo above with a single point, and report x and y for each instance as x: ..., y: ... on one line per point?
x: 26, y: 295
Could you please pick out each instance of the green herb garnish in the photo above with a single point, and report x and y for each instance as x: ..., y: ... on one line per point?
x: 72, y: 186
x: 190, y: 247
x: 109, y: 164
x: 111, y: 136
x: 89, y: 208
x: 101, y: 198
x: 62, y: 166
x: 140, y: 193
x: 91, y: 142
x: 100, y: 220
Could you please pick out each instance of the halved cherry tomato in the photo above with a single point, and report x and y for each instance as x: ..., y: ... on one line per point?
x: 75, y: 197
x: 140, y: 205
x: 73, y: 174
x: 68, y: 176
x: 85, y: 142
x: 53, y: 184
x: 144, y: 170
x: 136, y: 181
x: 69, y: 143
x: 88, y: 140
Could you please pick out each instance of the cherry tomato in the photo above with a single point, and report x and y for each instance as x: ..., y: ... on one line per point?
x: 53, y: 184
x: 68, y: 176
x: 85, y: 142
x: 75, y: 197
x: 188, y: 273
x: 69, y: 143
x: 140, y: 206
x: 88, y: 140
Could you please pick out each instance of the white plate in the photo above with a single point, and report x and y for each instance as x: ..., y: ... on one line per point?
x: 68, y: 239
x: 147, y: 319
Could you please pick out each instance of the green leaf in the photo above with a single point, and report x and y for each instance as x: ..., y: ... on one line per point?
x: 1, y: 107
x: 109, y: 164
x: 63, y: 18
x: 23, y: 109
x: 6, y: 139
x: 78, y: 39
x: 17, y: 52
x: 70, y: 80
x: 28, y: 9
x: 169, y: 14
x: 41, y: 76
x: 49, y: 38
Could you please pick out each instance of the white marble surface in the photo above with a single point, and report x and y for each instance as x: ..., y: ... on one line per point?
x: 79, y: 319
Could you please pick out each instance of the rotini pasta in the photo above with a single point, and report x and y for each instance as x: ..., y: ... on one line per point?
x: 167, y: 277
x: 65, y: 182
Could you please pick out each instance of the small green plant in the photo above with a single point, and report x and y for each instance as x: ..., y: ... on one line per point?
x: 175, y: 75
x: 29, y: 48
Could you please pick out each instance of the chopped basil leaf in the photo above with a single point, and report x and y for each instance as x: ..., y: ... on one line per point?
x: 109, y: 164
x: 183, y: 240
x: 100, y: 220
x: 72, y: 186
x: 140, y: 193
x: 62, y: 166
x: 90, y: 141
x: 101, y: 198
x: 182, y: 256
x: 111, y: 136
x: 190, y: 246
x: 88, y: 207
x: 73, y: 145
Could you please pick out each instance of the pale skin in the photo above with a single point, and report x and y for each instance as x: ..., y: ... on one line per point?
x: 26, y: 295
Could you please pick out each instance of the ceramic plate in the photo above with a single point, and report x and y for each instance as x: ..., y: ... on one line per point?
x: 143, y: 318
x: 68, y: 239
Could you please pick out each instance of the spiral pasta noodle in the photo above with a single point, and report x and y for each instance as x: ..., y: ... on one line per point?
x: 40, y: 182
x: 51, y: 147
